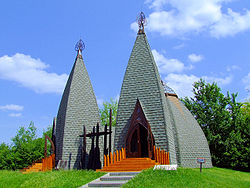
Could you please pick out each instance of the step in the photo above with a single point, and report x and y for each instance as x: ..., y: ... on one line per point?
x: 129, y: 166
x: 116, y: 178
x: 107, y: 184
x: 134, y: 162
x: 33, y: 170
x: 137, y: 159
x: 35, y: 167
x: 122, y: 170
x: 123, y: 173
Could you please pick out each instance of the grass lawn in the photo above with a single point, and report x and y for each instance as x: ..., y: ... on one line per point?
x: 187, y: 177
x: 183, y: 177
x: 73, y: 178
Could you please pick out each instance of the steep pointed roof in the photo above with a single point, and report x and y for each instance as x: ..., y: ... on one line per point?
x: 173, y: 126
x: 142, y: 81
x: 78, y: 107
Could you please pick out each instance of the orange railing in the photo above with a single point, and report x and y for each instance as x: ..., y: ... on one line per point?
x: 161, y: 156
x: 118, y: 155
x: 48, y: 163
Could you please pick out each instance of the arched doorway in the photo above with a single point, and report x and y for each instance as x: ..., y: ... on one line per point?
x: 137, y: 142
x: 139, y: 139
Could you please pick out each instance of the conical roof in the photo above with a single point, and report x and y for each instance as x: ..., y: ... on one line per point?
x: 78, y: 107
x: 142, y: 81
x: 173, y: 126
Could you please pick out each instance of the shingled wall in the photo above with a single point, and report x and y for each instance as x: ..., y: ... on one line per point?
x: 173, y: 126
x: 190, y: 140
x: 142, y: 81
x: 78, y: 107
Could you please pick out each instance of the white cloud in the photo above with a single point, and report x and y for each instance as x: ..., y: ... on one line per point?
x: 31, y: 73
x: 179, y: 17
x: 13, y: 107
x: 246, y: 81
x: 15, y: 114
x: 99, y: 101
x: 134, y: 26
x: 167, y: 65
x: 177, y: 47
x: 231, y: 24
x: 117, y: 97
x: 220, y: 81
x: 195, y: 58
x: 182, y: 84
x: 233, y: 67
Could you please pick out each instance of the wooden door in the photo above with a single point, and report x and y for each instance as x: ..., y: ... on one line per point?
x: 139, y: 140
x: 134, y: 145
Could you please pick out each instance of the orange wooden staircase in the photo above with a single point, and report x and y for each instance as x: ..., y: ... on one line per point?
x: 130, y: 165
x: 47, y: 164
x: 117, y: 162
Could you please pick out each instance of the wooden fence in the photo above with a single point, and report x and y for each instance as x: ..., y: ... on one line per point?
x: 118, y: 155
x: 48, y: 163
x: 161, y: 156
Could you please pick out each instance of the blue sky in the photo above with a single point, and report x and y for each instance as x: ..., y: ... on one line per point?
x: 189, y: 40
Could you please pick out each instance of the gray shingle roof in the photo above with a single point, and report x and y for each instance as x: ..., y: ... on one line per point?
x: 173, y: 126
x: 142, y: 81
x: 78, y: 107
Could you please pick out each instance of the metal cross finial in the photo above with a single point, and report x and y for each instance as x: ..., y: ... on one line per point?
x: 80, y: 45
x: 141, y: 20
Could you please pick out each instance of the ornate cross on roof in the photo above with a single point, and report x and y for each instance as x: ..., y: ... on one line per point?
x: 141, y: 20
x: 80, y: 46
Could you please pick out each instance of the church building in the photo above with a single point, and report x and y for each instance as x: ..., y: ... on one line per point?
x: 149, y: 114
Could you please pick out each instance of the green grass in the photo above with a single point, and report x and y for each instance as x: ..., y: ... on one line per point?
x: 183, y: 177
x: 187, y: 177
x: 73, y: 178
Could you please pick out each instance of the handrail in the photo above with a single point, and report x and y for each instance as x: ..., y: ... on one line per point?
x: 48, y: 163
x: 161, y: 156
x: 114, y: 157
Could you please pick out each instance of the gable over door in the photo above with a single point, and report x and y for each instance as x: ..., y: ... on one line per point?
x: 139, y: 139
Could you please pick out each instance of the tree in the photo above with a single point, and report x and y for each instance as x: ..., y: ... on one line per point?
x: 222, y: 121
x: 6, y: 157
x: 104, y: 112
x: 26, y: 148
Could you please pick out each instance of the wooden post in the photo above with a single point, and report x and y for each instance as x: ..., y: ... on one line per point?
x: 168, y: 158
x: 123, y: 156
x: 162, y: 157
x: 154, y: 153
x: 124, y: 153
x: 156, y: 157
x: 105, y: 140
x: 104, y: 161
x: 45, y: 148
x: 117, y: 155
x: 120, y: 153
x: 110, y: 129
x: 114, y: 158
x: 107, y: 160
x: 54, y: 133
x: 165, y: 158
x: 110, y: 155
